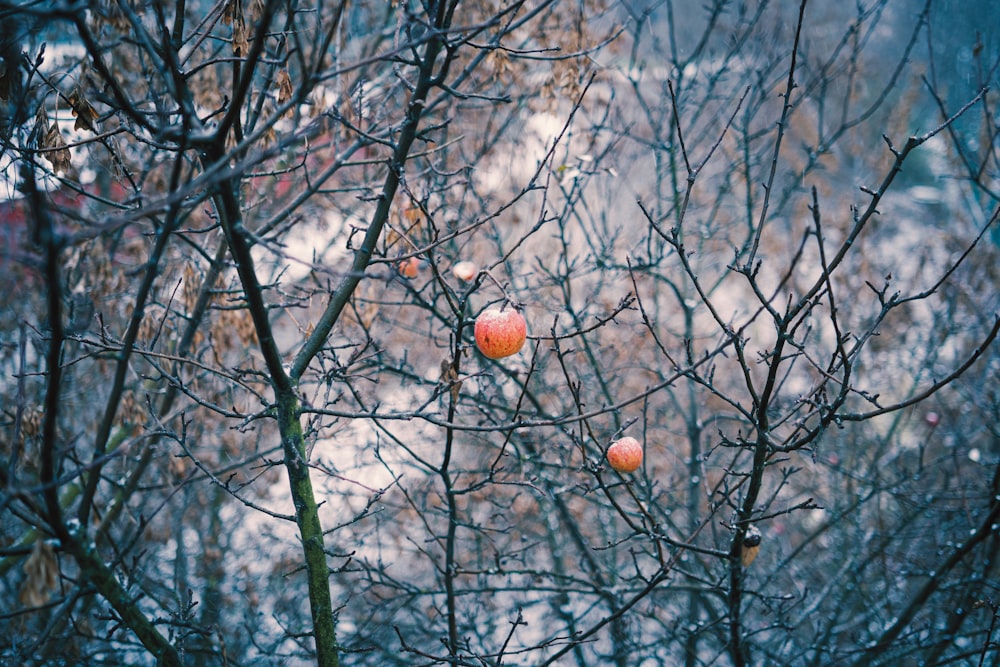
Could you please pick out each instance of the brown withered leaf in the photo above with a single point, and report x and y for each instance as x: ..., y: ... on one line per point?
x: 41, y: 122
x: 270, y: 136
x: 392, y: 236
x: 82, y: 109
x: 499, y: 62
x: 232, y: 15
x: 256, y: 10
x: 110, y: 13
x: 284, y: 85
x: 447, y: 371
x: 230, y: 11
x: 449, y: 376
x: 411, y: 221
x: 241, y: 45
x: 31, y: 422
x: 748, y: 555
x: 414, y: 215
x: 751, y: 545
x: 206, y: 89
x: 245, y: 328
x: 57, y: 154
x: 42, y: 572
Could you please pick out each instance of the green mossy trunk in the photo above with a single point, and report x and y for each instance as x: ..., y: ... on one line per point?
x: 310, y: 530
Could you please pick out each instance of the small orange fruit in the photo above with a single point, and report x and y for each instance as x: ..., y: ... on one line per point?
x: 625, y: 455
x: 464, y: 270
x: 409, y: 267
x: 500, y: 332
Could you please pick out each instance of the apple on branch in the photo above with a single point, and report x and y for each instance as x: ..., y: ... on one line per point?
x: 625, y: 455
x: 500, y: 331
x: 465, y: 270
x: 409, y: 267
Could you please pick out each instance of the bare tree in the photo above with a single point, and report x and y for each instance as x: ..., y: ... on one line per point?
x: 245, y: 417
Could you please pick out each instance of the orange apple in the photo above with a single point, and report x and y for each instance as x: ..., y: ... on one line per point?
x: 464, y: 270
x: 409, y: 267
x: 625, y: 455
x: 500, y: 332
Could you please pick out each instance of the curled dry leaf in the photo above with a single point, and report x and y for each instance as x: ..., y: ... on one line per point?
x: 751, y: 545
x: 245, y: 328
x: 31, y: 422
x: 57, y: 152
x: 283, y: 82
x: 255, y: 10
x: 109, y: 14
x: 232, y: 15
x: 41, y: 123
x: 413, y: 217
x: 82, y: 109
x: 42, y: 572
x: 449, y: 376
x: 241, y: 45
x: 231, y: 9
x: 499, y: 62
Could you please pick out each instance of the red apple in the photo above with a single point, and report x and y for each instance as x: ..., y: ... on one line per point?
x: 625, y: 455
x: 500, y: 332
x: 409, y: 267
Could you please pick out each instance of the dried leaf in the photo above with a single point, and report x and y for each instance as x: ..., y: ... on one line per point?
x: 499, y: 62
x: 392, y: 237
x: 284, y: 85
x: 232, y: 15
x: 449, y: 376
x: 206, y: 89
x: 230, y: 11
x: 270, y: 136
x: 109, y: 13
x: 748, y: 554
x: 245, y: 329
x: 41, y: 122
x: 413, y: 215
x: 177, y: 466
x: 751, y: 545
x: 368, y: 314
x: 42, y: 572
x: 31, y: 422
x: 130, y: 411
x: 57, y: 152
x: 256, y: 9
x: 82, y: 109
x: 241, y: 45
